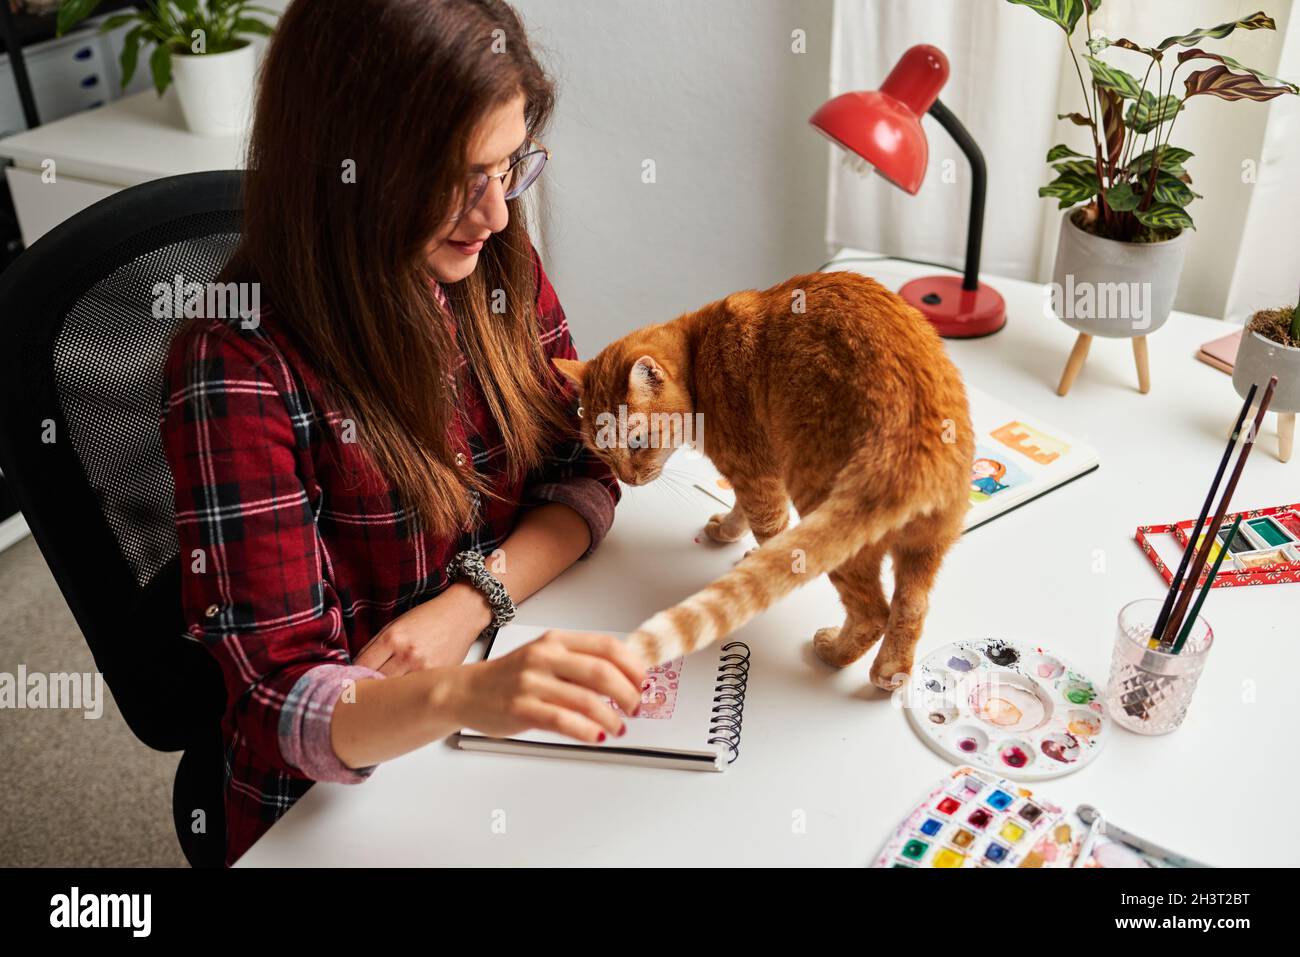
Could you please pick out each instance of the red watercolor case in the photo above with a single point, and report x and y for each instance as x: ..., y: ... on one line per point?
x: 1266, y: 534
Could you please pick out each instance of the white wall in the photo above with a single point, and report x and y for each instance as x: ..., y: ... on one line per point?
x: 713, y: 94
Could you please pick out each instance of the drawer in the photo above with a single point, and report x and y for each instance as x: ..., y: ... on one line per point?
x: 41, y: 206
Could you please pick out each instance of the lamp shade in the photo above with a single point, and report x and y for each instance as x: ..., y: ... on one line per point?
x: 883, y: 126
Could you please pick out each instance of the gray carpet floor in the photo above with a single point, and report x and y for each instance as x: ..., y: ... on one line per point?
x: 75, y: 792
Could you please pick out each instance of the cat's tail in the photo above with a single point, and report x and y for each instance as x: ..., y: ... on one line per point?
x: 828, y: 536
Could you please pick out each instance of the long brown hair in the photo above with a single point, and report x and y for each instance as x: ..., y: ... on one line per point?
x: 365, y: 112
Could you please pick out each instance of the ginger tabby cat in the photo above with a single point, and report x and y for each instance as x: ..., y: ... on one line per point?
x: 849, y: 408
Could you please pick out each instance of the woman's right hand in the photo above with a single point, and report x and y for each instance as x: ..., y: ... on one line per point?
x: 561, y: 682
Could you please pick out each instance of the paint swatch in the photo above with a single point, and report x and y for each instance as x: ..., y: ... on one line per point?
x: 1015, y: 710
x: 976, y: 819
x: 1265, y: 551
x: 972, y: 818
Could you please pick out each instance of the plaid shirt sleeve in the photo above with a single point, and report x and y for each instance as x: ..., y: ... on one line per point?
x: 254, y: 589
x: 571, y: 474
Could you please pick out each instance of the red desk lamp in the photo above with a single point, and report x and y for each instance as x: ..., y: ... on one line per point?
x: 883, y: 128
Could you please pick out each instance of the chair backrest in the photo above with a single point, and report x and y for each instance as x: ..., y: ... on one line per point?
x: 81, y: 395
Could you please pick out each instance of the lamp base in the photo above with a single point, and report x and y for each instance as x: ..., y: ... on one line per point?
x: 955, y: 312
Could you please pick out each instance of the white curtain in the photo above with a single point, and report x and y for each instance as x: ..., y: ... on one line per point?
x: 1011, y: 76
x: 1267, y: 272
x: 1005, y: 65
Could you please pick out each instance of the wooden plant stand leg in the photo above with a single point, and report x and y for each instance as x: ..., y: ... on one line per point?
x: 1074, y: 363
x: 1285, y: 435
x: 1143, y: 360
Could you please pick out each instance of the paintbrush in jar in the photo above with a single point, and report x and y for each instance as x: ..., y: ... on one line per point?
x: 1162, y: 620
x: 1175, y: 623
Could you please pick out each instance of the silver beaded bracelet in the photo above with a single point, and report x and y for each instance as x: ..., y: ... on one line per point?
x: 468, y: 566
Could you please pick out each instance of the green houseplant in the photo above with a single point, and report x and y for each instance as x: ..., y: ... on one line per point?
x: 200, y: 45
x: 1122, y: 234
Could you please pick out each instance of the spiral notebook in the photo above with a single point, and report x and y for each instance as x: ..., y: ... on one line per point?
x: 691, y: 712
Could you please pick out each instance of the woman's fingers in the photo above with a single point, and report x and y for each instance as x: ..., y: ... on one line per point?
x: 609, y: 648
x: 599, y: 675
x: 549, y: 717
x: 590, y: 705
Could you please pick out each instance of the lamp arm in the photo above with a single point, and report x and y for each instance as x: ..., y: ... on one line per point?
x: 979, y: 185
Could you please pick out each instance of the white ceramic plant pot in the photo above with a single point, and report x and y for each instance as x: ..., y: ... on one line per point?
x: 1103, y: 287
x: 1258, y: 359
x: 215, y: 89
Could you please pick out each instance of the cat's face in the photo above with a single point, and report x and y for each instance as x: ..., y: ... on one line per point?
x: 635, y: 413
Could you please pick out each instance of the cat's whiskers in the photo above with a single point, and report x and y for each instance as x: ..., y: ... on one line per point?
x: 677, y: 488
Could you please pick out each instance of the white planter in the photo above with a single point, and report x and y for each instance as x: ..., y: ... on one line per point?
x: 215, y: 89
x: 1103, y: 287
x: 1259, y: 358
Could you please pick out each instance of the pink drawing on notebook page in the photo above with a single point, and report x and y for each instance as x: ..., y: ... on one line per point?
x: 659, y: 690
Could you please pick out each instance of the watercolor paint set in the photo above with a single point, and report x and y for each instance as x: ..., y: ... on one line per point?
x: 1017, y: 710
x: 1265, y: 550
x: 975, y: 819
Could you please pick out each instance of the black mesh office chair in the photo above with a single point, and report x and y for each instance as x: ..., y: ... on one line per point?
x: 81, y: 394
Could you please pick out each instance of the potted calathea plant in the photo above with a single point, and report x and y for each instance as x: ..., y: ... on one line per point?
x: 1124, y: 229
x: 1270, y: 346
x: 201, y: 45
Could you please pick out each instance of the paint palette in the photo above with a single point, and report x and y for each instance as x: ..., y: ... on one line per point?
x: 1265, y: 551
x: 1261, y: 541
x: 975, y: 819
x: 1016, y: 710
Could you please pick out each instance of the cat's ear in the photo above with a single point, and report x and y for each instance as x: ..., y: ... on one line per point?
x: 646, y: 378
x: 571, y: 369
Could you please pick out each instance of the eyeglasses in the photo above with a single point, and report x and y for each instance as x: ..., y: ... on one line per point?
x: 521, y: 174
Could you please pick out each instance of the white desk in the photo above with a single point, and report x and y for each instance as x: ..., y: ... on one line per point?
x: 827, y: 764
x: 98, y: 152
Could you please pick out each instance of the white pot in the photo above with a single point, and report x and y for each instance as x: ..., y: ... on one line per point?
x: 215, y: 89
x: 1104, y: 287
x: 1258, y: 358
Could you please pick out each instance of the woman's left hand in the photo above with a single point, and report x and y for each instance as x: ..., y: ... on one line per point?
x: 432, y: 635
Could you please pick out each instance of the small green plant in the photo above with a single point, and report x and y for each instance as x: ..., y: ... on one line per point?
x: 1135, y: 186
x: 187, y: 27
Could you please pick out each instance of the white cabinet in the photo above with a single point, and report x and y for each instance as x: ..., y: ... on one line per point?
x: 93, y: 154
x: 43, y: 205
x: 68, y: 74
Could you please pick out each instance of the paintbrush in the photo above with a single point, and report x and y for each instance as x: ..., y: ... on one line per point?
x: 1205, y: 589
x: 1157, y: 633
x: 1198, y: 564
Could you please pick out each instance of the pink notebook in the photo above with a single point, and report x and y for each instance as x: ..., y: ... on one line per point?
x: 1221, y: 353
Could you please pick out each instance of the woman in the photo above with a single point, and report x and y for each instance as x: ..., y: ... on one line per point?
x: 344, y: 458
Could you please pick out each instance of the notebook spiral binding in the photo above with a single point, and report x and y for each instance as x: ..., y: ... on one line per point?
x: 729, y: 697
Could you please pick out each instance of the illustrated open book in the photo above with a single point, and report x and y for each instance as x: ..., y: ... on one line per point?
x: 691, y: 710
x: 1017, y: 459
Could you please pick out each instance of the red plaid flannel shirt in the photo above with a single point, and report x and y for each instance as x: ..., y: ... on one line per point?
x: 296, y: 551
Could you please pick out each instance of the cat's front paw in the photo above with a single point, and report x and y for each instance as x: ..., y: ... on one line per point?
x: 889, y: 674
x: 722, y: 529
x: 831, y: 650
